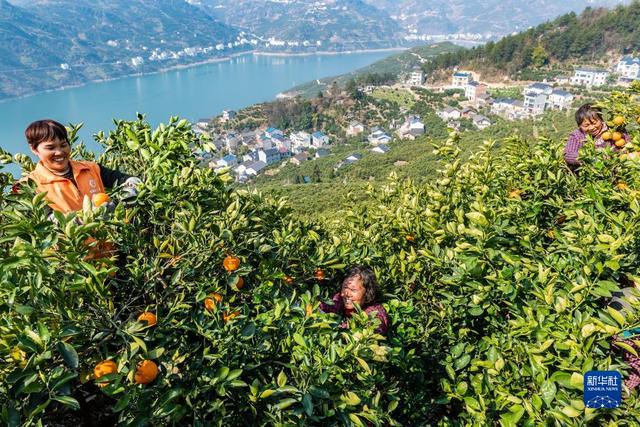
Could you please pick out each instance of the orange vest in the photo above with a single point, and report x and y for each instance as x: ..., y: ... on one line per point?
x: 62, y: 194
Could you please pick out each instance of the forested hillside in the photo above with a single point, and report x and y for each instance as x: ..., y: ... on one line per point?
x: 590, y: 36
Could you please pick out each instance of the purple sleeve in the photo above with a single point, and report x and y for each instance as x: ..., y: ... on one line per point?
x: 381, y: 314
x: 574, y: 143
x: 336, y: 307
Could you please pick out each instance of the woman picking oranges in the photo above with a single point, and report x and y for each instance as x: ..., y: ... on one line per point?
x: 67, y: 181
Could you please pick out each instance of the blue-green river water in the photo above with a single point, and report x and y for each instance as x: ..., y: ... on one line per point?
x: 193, y: 93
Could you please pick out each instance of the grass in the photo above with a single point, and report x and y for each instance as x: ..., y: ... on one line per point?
x: 402, y: 97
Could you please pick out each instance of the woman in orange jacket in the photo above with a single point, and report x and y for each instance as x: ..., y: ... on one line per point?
x: 67, y: 181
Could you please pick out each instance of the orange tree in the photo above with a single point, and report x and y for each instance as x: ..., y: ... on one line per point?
x: 511, y: 260
x: 75, y: 350
x: 496, y: 277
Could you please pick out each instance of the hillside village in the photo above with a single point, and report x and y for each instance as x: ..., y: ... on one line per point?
x: 465, y: 103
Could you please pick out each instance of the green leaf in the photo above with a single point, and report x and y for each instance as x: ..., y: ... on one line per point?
x: 364, y: 365
x: 477, y: 218
x: 307, y: 403
x: 617, y: 316
x: 285, y: 403
x: 222, y: 373
x: 68, y: 401
x: 133, y: 145
x: 299, y: 340
x: 548, y: 391
x: 350, y: 398
x: 282, y: 379
x: 122, y: 403
x: 234, y: 374
x: 462, y: 362
x: 68, y: 353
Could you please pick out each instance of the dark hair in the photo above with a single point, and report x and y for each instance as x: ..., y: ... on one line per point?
x: 368, y: 281
x: 45, y: 130
x: 588, y: 111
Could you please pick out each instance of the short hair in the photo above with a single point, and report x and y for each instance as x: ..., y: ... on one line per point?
x: 368, y: 281
x: 45, y: 130
x: 588, y: 111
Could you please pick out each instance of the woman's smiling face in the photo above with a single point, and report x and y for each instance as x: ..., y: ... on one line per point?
x: 54, y: 154
x: 353, y: 292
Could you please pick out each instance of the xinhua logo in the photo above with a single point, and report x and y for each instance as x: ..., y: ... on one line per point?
x: 602, y: 389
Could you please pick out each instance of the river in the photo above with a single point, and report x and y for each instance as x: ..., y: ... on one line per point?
x: 193, y: 93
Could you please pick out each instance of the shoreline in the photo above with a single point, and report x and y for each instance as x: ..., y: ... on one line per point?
x: 200, y: 63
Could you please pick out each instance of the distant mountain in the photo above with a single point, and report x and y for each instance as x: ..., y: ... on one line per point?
x: 46, y: 44
x: 479, y: 16
x: 321, y: 24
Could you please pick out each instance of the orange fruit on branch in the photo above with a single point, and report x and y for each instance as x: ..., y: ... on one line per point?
x: 103, y: 368
x: 100, y: 199
x: 410, y: 238
x: 618, y: 120
x: 319, y: 274
x: 616, y: 136
x: 289, y: 280
x: 231, y: 263
x: 606, y: 136
x: 146, y: 372
x: 230, y: 316
x: 148, y: 317
x: 211, y: 302
x: 620, y: 143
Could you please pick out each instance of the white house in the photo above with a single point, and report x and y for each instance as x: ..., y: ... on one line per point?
x: 300, y: 140
x: 416, y: 77
x: 480, y: 121
x: 229, y: 160
x: 589, y: 77
x: 355, y: 128
x: 538, y: 89
x: 560, y: 99
x: 318, y: 139
x: 300, y: 158
x: 460, y: 79
x: 255, y: 168
x: 508, y: 108
x: 381, y: 149
x: 629, y: 67
x: 411, y: 128
x: 269, y: 156
x: 273, y: 132
x: 535, y: 103
x: 450, y: 113
x: 473, y: 90
x: 228, y: 115
x: 379, y: 137
x: 353, y: 158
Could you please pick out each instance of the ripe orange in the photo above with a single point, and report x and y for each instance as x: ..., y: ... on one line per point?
x: 410, y: 238
x: 620, y: 143
x: 607, y: 135
x: 309, y: 310
x: 240, y: 283
x: 617, y: 136
x: 105, y: 367
x: 288, y: 279
x: 621, y: 185
x: 231, y: 263
x: 319, y: 274
x: 210, y: 303
x: 146, y: 372
x: 148, y: 317
x: 230, y: 316
x: 618, y: 120
x: 100, y: 199
x: 514, y: 193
